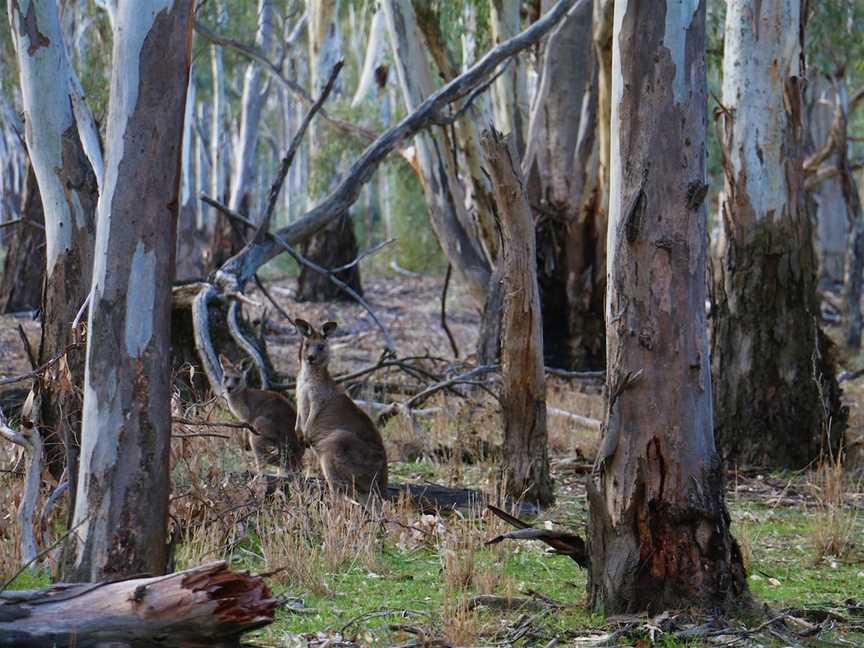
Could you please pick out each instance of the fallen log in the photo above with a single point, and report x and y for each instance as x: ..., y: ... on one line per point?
x: 207, y: 605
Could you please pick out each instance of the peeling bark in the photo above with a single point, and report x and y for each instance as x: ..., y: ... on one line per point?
x: 775, y: 390
x: 523, y: 389
x: 127, y: 393
x: 658, y: 530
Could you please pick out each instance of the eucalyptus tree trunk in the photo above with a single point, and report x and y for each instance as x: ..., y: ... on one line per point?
x: 23, y: 272
x: 832, y: 222
x: 68, y: 189
x: 255, y: 92
x: 775, y: 391
x: 523, y: 390
x: 121, y: 511
x: 445, y: 196
x: 336, y: 244
x: 510, y: 102
x: 659, y: 530
x: 563, y: 154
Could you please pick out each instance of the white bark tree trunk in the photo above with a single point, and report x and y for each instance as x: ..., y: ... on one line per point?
x: 122, y: 503
x: 69, y: 191
x: 832, y: 222
x: 510, y: 101
x: 445, y: 197
x: 771, y: 410
x: 255, y: 91
x: 659, y: 530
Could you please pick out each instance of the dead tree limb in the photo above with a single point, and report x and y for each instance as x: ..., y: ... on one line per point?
x: 42, y: 368
x: 204, y: 606
x: 238, y: 270
x: 567, y: 544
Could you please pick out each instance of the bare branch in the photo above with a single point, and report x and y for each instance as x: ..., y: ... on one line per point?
x: 31, y: 441
x: 41, y: 369
x: 444, y: 326
x: 264, y: 227
x: 293, y: 87
x: 239, y: 269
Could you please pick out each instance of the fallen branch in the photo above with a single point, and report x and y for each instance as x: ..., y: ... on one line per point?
x: 584, y: 421
x: 567, y: 544
x: 206, y: 605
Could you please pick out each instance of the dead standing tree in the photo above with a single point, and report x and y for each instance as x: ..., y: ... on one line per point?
x: 775, y: 392
x: 658, y: 530
x: 127, y: 394
x: 231, y: 279
x: 523, y: 392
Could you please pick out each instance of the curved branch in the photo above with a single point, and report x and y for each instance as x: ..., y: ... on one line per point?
x: 240, y: 268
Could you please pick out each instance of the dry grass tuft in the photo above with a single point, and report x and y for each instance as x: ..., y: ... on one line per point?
x: 835, y: 521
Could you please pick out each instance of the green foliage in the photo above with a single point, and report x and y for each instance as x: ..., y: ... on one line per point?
x: 835, y: 36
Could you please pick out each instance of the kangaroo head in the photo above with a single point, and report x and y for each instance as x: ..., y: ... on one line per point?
x: 314, y: 346
x: 233, y: 375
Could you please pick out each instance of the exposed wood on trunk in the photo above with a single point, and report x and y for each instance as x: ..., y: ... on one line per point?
x: 565, y: 191
x: 127, y: 394
x: 658, y: 530
x: 201, y: 607
x: 523, y: 389
x: 24, y: 266
x: 68, y: 189
x: 775, y: 390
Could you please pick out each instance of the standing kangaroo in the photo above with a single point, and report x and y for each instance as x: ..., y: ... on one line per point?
x: 271, y: 416
x: 348, y: 445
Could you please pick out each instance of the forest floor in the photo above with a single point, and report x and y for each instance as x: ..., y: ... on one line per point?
x: 394, y: 575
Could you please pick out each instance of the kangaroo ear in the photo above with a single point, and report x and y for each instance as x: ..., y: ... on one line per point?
x: 303, y: 327
x: 246, y: 365
x: 224, y: 361
x: 327, y: 328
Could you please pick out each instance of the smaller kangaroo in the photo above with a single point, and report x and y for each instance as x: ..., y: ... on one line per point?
x: 271, y: 416
x: 348, y: 445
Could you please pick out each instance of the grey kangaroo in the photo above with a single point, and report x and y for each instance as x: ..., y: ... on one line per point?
x: 346, y: 441
x: 271, y: 416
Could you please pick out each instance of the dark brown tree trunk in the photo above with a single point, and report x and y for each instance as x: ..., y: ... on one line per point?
x: 776, y: 399
x: 523, y: 392
x: 332, y: 247
x: 658, y: 530
x: 567, y: 196
x: 121, y: 510
x: 24, y: 265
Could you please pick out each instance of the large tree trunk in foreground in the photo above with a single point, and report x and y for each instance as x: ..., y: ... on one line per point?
x: 68, y: 188
x: 775, y: 390
x: 571, y: 225
x: 205, y: 607
x: 336, y: 244
x: 523, y: 392
x: 659, y: 531
x: 442, y: 188
x: 127, y: 394
x: 24, y: 266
